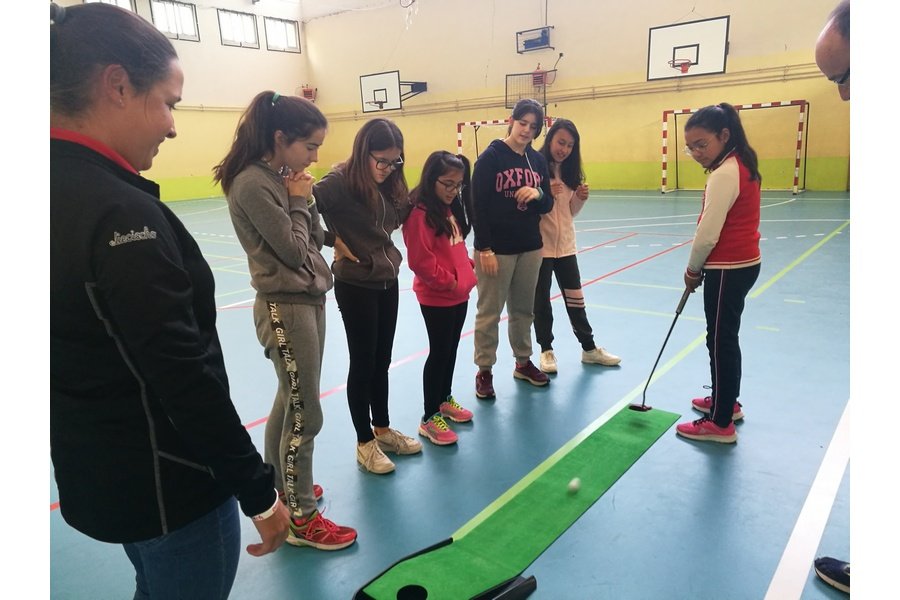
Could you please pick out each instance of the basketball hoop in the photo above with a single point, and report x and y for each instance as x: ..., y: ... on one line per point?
x: 682, y: 64
x: 378, y: 103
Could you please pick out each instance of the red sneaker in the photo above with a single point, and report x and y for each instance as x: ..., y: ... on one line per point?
x: 705, y: 430
x: 531, y: 374
x: 484, y: 384
x: 320, y: 533
x: 704, y: 405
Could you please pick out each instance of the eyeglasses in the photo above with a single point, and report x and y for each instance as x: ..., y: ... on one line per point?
x: 843, y: 79
x: 383, y: 164
x: 452, y: 187
x: 698, y: 147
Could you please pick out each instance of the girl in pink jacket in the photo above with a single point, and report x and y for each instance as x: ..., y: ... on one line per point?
x: 434, y: 235
x: 562, y: 149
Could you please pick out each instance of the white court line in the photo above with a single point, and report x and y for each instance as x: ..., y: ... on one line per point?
x: 796, y: 562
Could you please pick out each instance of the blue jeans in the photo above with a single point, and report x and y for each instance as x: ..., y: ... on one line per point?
x: 198, y: 561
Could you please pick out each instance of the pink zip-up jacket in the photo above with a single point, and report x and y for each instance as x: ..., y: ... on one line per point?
x: 437, y: 261
x: 558, y: 226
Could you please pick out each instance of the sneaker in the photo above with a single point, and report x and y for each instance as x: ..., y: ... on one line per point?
x: 370, y: 456
x: 531, y: 374
x: 707, y: 431
x: 599, y: 356
x: 453, y: 411
x: 484, y: 384
x: 704, y: 405
x: 318, y: 492
x: 319, y: 532
x: 436, y: 430
x: 548, y: 361
x: 396, y: 442
x: 834, y: 572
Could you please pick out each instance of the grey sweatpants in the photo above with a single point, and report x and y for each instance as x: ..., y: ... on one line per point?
x: 293, y: 336
x: 513, y: 286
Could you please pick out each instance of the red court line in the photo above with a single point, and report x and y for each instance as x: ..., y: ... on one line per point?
x: 416, y: 355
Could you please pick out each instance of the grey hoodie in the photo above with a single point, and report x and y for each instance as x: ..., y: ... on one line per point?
x: 282, y: 237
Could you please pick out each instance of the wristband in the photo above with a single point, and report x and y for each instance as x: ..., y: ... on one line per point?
x: 486, y: 252
x: 691, y: 274
x: 265, y: 515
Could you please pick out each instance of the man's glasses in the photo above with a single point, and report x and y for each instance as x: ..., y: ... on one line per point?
x: 843, y: 79
x: 453, y: 187
x: 383, y: 164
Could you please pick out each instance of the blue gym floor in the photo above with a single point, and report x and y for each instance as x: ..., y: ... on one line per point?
x: 689, y: 520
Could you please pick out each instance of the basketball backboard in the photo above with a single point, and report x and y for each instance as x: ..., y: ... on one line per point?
x: 704, y: 43
x: 380, y: 91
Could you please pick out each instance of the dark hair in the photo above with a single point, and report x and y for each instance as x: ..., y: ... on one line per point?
x: 840, y: 19
x: 724, y: 116
x: 524, y: 107
x: 437, y: 164
x: 86, y: 38
x: 297, y: 118
x: 376, y: 135
x: 570, y: 170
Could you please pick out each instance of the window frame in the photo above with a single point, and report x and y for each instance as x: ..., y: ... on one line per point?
x: 287, y: 23
x: 177, y: 35
x: 238, y: 43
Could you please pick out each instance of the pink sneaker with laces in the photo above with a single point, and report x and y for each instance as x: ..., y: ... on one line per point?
x: 453, y: 411
x: 705, y: 430
x: 704, y: 405
x: 320, y: 533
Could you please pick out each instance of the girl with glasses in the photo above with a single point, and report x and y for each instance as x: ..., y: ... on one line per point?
x: 725, y: 258
x: 363, y: 200
x: 435, y: 236
x: 562, y: 150
x: 274, y: 215
x: 510, y: 192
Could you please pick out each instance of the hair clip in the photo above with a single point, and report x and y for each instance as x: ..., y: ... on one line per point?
x: 275, y: 98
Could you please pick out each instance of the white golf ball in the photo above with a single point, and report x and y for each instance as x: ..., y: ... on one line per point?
x: 574, y: 485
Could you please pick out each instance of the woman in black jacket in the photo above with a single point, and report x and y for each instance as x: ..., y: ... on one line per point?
x: 147, y: 448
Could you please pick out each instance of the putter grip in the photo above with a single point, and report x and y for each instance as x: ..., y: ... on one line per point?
x: 684, y: 298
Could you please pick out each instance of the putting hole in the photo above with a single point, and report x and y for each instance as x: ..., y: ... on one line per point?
x: 412, y: 592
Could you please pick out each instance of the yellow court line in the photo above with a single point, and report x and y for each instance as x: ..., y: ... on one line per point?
x: 798, y: 260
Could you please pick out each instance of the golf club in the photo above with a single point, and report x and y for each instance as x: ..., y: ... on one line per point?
x: 642, y: 407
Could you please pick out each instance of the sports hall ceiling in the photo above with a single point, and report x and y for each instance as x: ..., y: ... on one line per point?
x: 314, y: 9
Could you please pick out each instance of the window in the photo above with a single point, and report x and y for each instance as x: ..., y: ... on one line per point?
x: 282, y: 35
x: 238, y: 29
x: 177, y: 20
x: 126, y: 4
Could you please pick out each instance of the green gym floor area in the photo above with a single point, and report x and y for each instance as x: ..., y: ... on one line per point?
x: 682, y: 520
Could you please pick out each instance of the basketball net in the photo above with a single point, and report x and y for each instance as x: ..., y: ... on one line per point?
x: 412, y: 9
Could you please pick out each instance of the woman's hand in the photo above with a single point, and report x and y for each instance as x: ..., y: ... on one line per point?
x: 582, y: 191
x: 299, y: 184
x: 524, y: 195
x: 342, y: 252
x: 489, y: 264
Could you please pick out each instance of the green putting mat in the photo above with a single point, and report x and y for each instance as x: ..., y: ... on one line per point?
x: 501, y: 541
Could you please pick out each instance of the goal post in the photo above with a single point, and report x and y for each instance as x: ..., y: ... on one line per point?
x: 476, y: 125
x: 795, y: 133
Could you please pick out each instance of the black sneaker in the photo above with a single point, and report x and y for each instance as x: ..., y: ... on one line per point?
x: 834, y: 572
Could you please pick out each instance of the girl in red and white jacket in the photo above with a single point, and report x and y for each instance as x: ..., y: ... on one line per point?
x: 434, y: 235
x: 725, y: 254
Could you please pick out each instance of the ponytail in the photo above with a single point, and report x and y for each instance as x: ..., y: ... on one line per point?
x: 269, y: 112
x: 724, y: 116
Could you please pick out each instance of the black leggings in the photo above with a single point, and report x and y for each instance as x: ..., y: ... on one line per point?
x: 444, y: 325
x: 724, y: 293
x: 370, y: 320
x: 569, y: 280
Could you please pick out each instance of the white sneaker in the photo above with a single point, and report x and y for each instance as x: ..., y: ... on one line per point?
x: 548, y: 361
x: 370, y: 456
x: 599, y: 356
x: 396, y: 442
